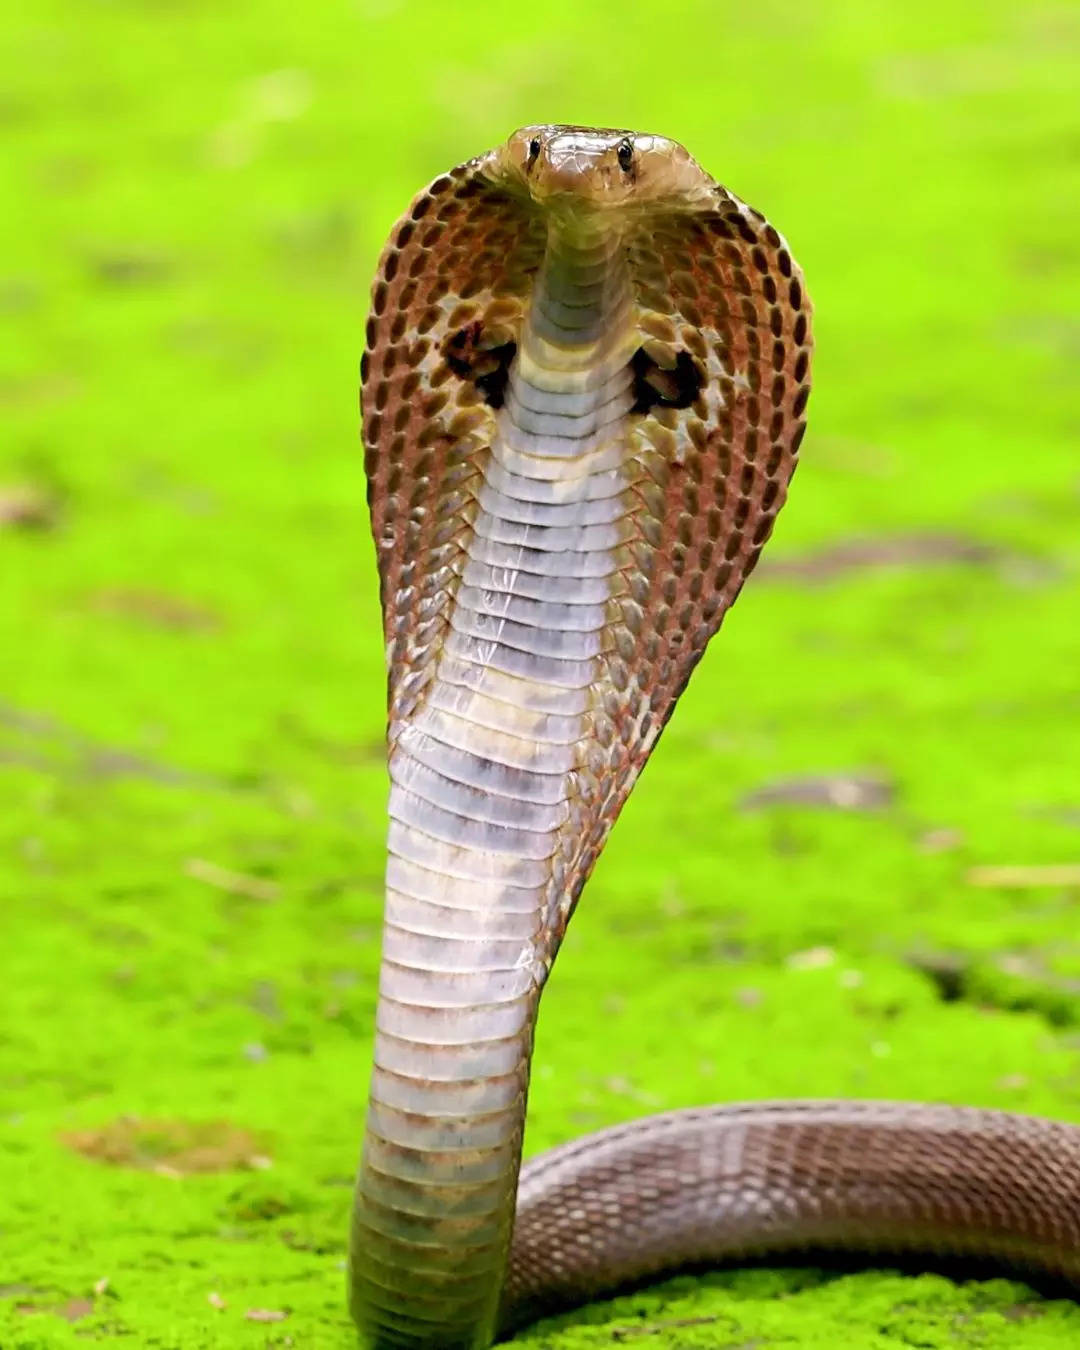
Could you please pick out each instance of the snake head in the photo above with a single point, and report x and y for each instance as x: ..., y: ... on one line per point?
x: 589, y: 168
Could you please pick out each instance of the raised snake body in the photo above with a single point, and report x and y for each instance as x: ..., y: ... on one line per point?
x: 583, y: 389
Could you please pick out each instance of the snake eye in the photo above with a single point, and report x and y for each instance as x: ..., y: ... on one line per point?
x: 625, y: 154
x: 534, y: 151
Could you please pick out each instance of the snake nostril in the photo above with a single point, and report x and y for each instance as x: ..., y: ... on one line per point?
x: 534, y: 152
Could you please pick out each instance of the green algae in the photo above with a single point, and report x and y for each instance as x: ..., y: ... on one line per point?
x: 191, y: 784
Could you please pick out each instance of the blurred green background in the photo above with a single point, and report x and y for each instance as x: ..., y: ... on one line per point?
x: 803, y: 896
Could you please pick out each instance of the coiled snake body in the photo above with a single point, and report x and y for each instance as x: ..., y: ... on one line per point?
x: 584, y: 387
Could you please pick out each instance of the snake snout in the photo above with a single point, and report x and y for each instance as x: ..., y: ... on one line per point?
x: 589, y: 167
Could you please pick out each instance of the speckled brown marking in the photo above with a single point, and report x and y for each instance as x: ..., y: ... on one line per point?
x: 434, y: 260
x: 585, y: 374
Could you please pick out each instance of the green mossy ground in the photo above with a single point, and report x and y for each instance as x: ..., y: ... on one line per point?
x: 194, y: 196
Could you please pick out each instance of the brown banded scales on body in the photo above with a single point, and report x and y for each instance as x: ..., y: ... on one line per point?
x: 584, y: 392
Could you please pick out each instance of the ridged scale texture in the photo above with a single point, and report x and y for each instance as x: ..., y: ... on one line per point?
x: 484, y: 775
x: 579, y: 426
x: 721, y: 1184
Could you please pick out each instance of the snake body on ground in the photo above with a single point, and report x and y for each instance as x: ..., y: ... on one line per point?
x: 584, y: 389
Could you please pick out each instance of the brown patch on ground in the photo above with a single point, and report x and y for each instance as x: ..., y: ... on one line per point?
x: 1023, y: 1312
x: 155, y: 608
x: 657, y: 1328
x: 75, y: 1309
x: 905, y: 550
x: 232, y: 883
x: 53, y: 747
x: 170, y: 1147
x: 24, y: 507
x: 1024, y: 876
x: 71, y: 1310
x: 838, y: 792
x: 941, y: 839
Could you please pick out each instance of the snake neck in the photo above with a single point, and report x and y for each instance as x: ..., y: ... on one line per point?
x: 581, y: 304
x: 485, y: 810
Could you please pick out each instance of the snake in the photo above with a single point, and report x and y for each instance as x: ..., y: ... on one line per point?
x: 584, y: 388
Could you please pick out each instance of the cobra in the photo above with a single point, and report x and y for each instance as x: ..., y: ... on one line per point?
x: 584, y: 389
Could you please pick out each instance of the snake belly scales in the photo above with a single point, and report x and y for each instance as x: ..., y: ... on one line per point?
x: 584, y: 386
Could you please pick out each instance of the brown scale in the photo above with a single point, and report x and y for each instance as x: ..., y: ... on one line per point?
x: 716, y: 471
x: 720, y: 376
x: 720, y: 385
x: 449, y: 294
